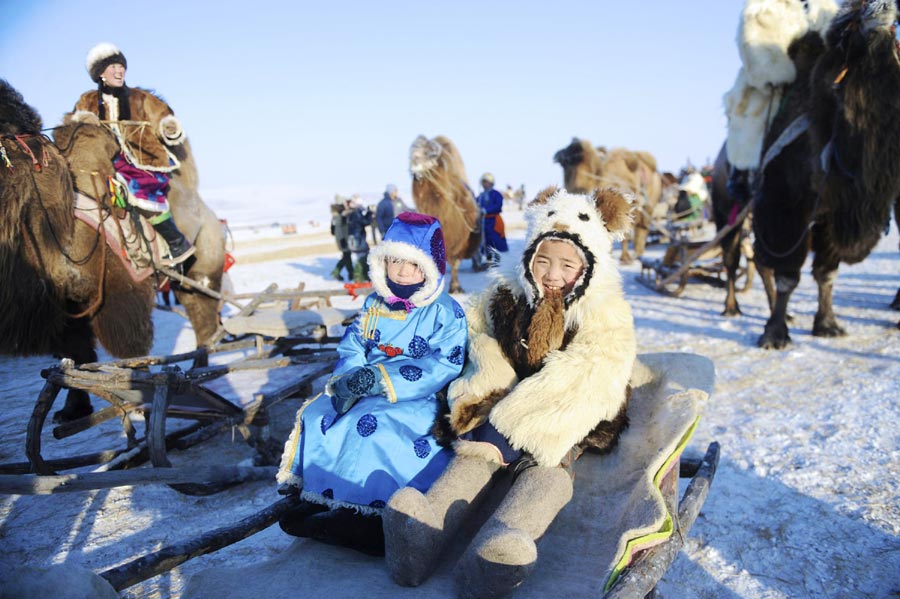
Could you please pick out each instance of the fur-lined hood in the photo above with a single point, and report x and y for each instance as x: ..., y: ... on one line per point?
x: 417, y: 238
x: 590, y: 223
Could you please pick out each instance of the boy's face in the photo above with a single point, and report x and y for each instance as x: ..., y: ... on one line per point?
x: 556, y: 266
x: 403, y: 272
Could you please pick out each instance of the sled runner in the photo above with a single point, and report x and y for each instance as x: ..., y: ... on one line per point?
x: 616, y: 538
x: 267, y: 350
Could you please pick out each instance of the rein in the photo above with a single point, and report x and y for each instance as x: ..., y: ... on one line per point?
x: 89, y: 311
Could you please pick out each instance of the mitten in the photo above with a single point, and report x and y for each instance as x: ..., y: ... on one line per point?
x: 346, y: 390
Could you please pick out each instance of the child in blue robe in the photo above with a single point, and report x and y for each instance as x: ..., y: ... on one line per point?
x: 369, y: 434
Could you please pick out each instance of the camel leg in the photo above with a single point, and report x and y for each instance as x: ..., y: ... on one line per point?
x: 775, y: 335
x: 78, y: 341
x: 504, y: 552
x: 640, y: 240
x: 825, y: 323
x: 731, y: 259
x: 417, y: 527
x: 625, y: 257
x: 455, y: 287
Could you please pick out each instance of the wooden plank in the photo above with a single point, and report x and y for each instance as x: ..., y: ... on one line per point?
x: 154, y: 564
x: 36, y: 424
x: 33, y: 484
x: 244, y: 311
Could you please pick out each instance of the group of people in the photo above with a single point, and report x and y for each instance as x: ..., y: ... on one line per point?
x: 428, y: 400
x: 350, y: 220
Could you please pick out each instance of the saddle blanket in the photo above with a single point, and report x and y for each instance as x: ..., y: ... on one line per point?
x: 129, y: 244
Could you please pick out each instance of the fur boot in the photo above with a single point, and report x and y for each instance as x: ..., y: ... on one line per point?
x: 417, y: 527
x: 504, y: 552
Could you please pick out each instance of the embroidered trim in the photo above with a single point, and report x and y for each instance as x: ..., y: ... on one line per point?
x: 298, y: 426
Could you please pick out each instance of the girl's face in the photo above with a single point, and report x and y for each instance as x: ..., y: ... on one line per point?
x: 556, y: 266
x: 403, y: 272
x: 114, y: 75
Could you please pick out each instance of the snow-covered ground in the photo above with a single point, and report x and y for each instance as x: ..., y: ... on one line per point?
x: 804, y: 504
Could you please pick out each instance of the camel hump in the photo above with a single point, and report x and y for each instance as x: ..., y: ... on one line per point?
x: 633, y: 159
x: 452, y: 157
x: 17, y: 117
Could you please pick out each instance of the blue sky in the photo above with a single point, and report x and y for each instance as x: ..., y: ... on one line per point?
x: 322, y: 98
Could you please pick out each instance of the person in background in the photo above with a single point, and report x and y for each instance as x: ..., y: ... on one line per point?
x: 494, y: 235
x: 369, y: 433
x: 145, y: 162
x: 340, y: 213
x: 358, y: 219
x: 385, y: 212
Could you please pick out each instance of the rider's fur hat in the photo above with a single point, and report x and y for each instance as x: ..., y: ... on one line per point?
x: 101, y: 56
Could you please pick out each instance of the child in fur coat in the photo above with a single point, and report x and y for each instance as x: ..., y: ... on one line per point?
x: 551, y: 350
x: 369, y: 433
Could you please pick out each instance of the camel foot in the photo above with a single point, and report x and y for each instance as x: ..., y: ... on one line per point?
x: 895, y: 305
x: 732, y: 311
x: 775, y: 336
x: 78, y: 405
x: 827, y: 327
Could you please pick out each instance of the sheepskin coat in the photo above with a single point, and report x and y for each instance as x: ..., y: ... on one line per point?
x: 551, y: 373
x: 152, y: 131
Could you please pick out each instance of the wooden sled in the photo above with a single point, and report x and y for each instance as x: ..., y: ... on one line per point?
x: 615, y: 539
x: 688, y: 257
x: 275, y: 352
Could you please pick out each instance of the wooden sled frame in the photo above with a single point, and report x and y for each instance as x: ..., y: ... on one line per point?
x: 129, y: 386
x: 687, y: 258
x: 637, y: 582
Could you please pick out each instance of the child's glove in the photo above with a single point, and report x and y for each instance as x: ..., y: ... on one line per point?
x: 346, y: 390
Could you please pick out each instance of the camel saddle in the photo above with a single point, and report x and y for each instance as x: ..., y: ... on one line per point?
x: 138, y: 249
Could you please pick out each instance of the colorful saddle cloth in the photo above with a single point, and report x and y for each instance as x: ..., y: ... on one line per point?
x: 138, y: 248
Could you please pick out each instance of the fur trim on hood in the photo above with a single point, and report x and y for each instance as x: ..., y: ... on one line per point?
x: 590, y: 223
x: 416, y: 238
x: 580, y: 381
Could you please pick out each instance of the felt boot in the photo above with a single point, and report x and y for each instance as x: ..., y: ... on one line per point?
x: 417, y: 527
x: 345, y: 527
x: 504, y: 552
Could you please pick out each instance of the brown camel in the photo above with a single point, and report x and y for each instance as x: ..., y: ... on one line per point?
x: 586, y: 168
x: 61, y: 287
x: 64, y: 289
x: 439, y: 189
x: 830, y: 190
